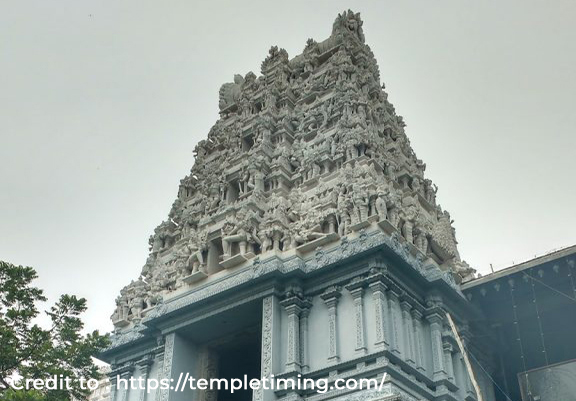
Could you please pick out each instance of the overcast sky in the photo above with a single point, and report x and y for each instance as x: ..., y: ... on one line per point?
x: 102, y: 102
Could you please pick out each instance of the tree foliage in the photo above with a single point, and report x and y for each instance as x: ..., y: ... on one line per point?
x: 29, y: 351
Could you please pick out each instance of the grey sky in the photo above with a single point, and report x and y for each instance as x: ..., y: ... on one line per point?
x: 101, y: 103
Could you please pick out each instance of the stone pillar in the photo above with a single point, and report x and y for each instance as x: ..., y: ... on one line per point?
x: 448, y: 362
x: 331, y: 297
x: 356, y: 289
x: 418, y: 333
x: 270, y: 326
x: 166, y: 372
x: 460, y: 375
x: 120, y: 381
x: 125, y: 388
x: 209, y: 371
x: 438, y: 368
x: 293, y: 347
x: 294, y: 305
x: 160, y: 362
x: 393, y: 306
x: 332, y: 224
x: 113, y: 384
x: 380, y: 300
x: 304, y: 344
x: 408, y: 332
x: 465, y: 336
x: 144, y: 366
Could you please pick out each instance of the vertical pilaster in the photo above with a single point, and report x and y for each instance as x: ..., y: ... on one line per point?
x: 469, y: 388
x: 408, y: 332
x: 418, y: 333
x: 393, y: 306
x: 380, y: 300
x: 438, y: 367
x: 113, y: 384
x: 160, y: 361
x: 293, y: 349
x: 270, y: 322
x: 294, y: 304
x: 304, y: 342
x: 167, y: 364
x: 144, y: 366
x: 356, y: 289
x: 209, y: 371
x: 460, y: 376
x: 448, y: 362
x: 465, y: 338
x: 331, y: 297
x: 125, y: 390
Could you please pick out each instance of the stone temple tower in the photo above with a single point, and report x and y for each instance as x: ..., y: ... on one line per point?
x: 306, y: 243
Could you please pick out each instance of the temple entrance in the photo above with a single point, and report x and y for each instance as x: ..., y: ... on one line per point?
x: 229, y: 347
x: 238, y: 358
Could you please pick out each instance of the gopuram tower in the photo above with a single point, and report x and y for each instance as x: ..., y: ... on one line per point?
x: 306, y: 243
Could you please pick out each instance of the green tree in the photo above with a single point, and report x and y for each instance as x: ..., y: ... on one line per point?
x: 28, y: 351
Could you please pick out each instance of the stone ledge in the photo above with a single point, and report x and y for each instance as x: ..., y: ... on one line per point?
x: 236, y: 260
x: 312, y: 245
x: 195, y: 277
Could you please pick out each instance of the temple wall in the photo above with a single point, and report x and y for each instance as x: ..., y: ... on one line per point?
x: 426, y: 347
x: 416, y: 339
x: 357, y: 320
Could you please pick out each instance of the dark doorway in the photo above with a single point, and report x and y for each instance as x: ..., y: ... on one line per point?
x: 232, y: 342
x: 237, y: 358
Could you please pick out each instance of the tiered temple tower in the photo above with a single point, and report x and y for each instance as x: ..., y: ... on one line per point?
x: 306, y: 241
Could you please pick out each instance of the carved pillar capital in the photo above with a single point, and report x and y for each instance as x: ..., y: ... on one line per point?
x: 356, y: 286
x: 331, y: 296
x: 435, y: 317
x: 378, y: 272
x: 416, y: 314
x: 378, y: 285
x: 447, y: 346
x: 295, y: 304
x: 123, y: 370
x: 146, y: 361
x: 394, y: 295
x: 406, y: 306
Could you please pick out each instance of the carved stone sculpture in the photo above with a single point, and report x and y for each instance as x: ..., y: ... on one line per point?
x: 310, y: 150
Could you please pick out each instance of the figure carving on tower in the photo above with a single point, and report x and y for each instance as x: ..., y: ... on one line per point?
x: 310, y: 150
